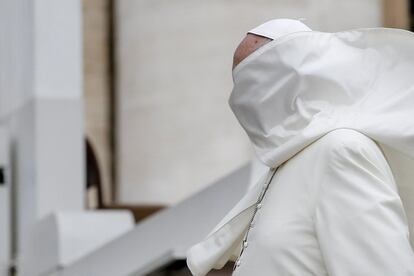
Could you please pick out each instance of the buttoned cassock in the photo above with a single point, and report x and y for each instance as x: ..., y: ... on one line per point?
x: 331, y: 115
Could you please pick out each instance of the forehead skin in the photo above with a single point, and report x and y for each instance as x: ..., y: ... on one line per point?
x: 248, y: 45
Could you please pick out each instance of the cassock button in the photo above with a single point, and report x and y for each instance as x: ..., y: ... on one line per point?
x: 245, y: 243
x: 259, y: 205
x: 238, y: 263
x: 251, y: 225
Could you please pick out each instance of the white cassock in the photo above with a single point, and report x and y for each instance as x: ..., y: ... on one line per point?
x: 332, y: 116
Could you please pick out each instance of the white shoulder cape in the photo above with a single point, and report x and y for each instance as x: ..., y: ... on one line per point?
x: 295, y: 89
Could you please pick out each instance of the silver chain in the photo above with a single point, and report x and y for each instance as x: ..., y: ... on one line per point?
x: 261, y: 196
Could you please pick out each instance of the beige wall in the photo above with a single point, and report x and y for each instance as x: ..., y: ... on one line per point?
x: 96, y: 85
x: 176, y: 131
x: 396, y: 14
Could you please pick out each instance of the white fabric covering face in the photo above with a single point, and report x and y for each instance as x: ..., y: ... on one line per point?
x: 303, y: 85
x: 293, y: 90
x: 274, y: 29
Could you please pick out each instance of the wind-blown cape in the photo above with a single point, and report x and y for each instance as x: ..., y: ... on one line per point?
x: 293, y: 90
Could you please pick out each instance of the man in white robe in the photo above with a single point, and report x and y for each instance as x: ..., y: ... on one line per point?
x: 329, y: 114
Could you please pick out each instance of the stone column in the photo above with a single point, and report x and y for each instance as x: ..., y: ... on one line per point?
x: 41, y: 106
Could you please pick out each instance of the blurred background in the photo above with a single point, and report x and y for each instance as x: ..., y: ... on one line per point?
x: 115, y: 131
x: 157, y: 76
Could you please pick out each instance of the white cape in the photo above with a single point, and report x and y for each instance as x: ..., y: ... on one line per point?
x: 293, y: 90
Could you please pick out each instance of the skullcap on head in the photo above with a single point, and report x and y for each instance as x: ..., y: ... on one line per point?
x: 276, y: 28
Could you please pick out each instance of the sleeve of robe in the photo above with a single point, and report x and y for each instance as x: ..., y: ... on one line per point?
x: 360, y: 220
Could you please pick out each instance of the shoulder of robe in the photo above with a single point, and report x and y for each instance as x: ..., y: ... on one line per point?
x: 344, y: 149
x: 348, y: 144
